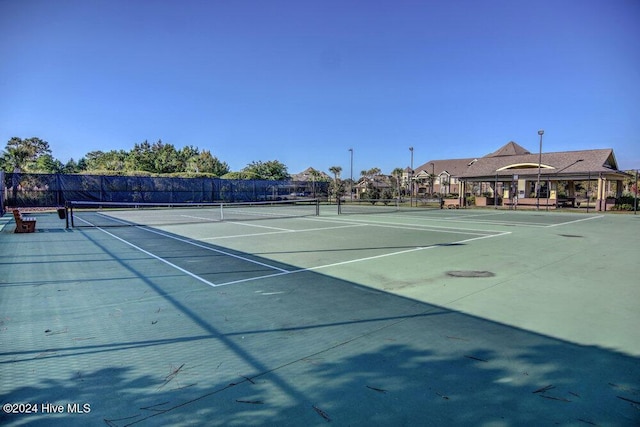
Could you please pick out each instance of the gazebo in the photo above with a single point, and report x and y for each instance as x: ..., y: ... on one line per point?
x: 514, y: 176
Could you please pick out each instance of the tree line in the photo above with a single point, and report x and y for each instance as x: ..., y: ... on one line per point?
x: 34, y: 155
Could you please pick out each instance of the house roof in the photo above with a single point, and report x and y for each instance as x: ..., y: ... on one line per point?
x: 509, y: 149
x: 579, y: 163
x: 307, y: 175
x: 513, y: 159
x: 454, y: 167
x: 378, y: 181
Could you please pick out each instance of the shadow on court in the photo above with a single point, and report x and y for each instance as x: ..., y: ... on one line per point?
x: 87, y: 318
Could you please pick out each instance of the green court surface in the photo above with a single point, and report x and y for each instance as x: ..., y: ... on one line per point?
x: 418, y: 317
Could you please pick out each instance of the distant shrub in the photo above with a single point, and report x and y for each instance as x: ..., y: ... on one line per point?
x: 626, y: 200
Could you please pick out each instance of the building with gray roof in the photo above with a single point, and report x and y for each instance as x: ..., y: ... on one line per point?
x: 517, y: 177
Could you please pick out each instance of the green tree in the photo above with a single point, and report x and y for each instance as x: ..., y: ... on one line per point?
x: 140, y: 158
x: 34, y: 155
x: 47, y: 164
x: 372, y: 192
x: 165, y: 158
x: 387, y: 194
x: 71, y: 167
x: 370, y: 173
x: 234, y: 175
x: 335, y: 170
x: 82, y: 164
x: 337, y: 189
x: 270, y: 170
x: 185, y: 154
x: 316, y: 176
x: 205, y: 162
x: 114, y: 160
x: 21, y: 155
x: 397, y: 178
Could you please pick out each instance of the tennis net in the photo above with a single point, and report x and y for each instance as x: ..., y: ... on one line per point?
x: 373, y: 206
x: 118, y: 214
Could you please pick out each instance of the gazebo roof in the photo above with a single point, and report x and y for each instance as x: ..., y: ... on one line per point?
x: 509, y: 149
x: 576, y: 164
x: 453, y: 167
x: 513, y: 159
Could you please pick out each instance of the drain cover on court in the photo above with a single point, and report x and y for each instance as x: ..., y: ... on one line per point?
x: 470, y: 273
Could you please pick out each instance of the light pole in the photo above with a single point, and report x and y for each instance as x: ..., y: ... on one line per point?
x: 411, y: 179
x: 351, y: 181
x: 540, y: 132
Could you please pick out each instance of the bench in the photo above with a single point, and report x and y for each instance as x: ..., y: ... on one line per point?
x: 450, y: 203
x: 24, y: 224
x: 530, y: 202
x: 565, y: 202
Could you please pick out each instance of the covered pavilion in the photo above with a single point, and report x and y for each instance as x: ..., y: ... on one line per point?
x: 513, y: 176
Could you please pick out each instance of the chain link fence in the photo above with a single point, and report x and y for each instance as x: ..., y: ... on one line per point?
x: 54, y: 190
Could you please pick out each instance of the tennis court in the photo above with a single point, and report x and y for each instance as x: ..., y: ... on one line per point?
x: 413, y: 317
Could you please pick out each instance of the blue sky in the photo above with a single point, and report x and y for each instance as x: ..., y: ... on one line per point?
x: 303, y: 81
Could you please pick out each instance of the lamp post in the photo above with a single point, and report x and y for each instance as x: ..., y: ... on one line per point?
x: 351, y: 181
x: 411, y: 179
x: 540, y: 132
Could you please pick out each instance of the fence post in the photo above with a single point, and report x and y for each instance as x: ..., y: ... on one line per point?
x: 635, y: 200
x: 2, y: 188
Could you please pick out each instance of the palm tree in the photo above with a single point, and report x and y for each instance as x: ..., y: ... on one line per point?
x: 335, y: 170
x: 315, y: 175
x: 397, y: 174
x: 21, y: 153
x: 372, y: 191
x: 374, y: 171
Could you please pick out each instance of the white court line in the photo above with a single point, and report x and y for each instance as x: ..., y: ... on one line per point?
x: 400, y: 252
x: 474, y: 215
x: 424, y: 227
x: 498, y: 222
x: 258, y: 226
x: 282, y: 232
x: 483, y: 221
x: 336, y: 264
x: 187, y: 272
x: 362, y: 223
x: 577, y: 220
x: 431, y: 228
x: 200, y: 218
x: 191, y: 242
x: 281, y: 271
x: 236, y: 236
